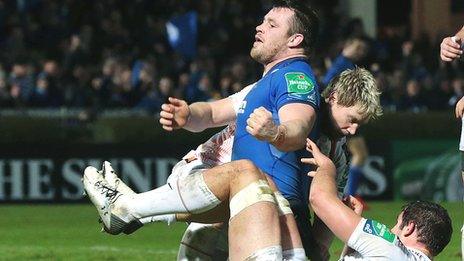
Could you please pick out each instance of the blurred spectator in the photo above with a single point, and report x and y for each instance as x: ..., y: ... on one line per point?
x: 22, y: 84
x: 413, y: 100
x: 77, y: 92
x: 48, y: 89
x: 155, y: 97
x: 103, y: 84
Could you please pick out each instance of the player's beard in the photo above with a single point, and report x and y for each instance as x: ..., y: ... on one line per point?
x: 257, y: 54
x: 263, y: 55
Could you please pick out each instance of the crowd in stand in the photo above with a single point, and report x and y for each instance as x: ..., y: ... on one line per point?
x: 115, y: 54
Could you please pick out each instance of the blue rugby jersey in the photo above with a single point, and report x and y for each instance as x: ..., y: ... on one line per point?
x: 290, y: 81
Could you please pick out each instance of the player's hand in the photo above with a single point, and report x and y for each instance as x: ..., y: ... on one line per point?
x: 450, y: 49
x: 261, y: 125
x: 354, y: 204
x: 319, y: 160
x: 174, y: 115
x: 459, y: 110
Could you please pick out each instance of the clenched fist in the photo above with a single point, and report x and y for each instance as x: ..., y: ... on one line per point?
x: 174, y: 115
x: 261, y: 125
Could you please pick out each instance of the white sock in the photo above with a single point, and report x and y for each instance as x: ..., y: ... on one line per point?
x: 267, y: 253
x: 167, y: 218
x: 189, y: 194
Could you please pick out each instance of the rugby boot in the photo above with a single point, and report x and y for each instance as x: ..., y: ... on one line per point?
x: 113, y: 180
x: 108, y: 201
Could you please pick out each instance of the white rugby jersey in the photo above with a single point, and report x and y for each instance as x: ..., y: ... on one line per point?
x: 374, y: 241
x: 461, y: 142
x: 217, y: 150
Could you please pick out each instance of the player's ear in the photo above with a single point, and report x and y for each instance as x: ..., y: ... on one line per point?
x: 409, y: 229
x: 295, y: 40
x: 333, y: 98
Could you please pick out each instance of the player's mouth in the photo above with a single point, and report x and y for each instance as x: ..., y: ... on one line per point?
x: 258, y: 39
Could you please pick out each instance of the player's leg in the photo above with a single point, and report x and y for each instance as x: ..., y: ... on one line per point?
x: 303, y: 221
x: 118, y: 209
x: 204, y: 242
x: 254, y: 217
x: 292, y: 247
x: 254, y: 230
x: 197, y: 193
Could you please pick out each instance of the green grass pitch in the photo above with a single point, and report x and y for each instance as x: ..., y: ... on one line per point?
x: 71, y: 232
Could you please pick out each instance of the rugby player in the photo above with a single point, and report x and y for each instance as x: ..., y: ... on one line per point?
x: 274, y: 118
x: 278, y: 113
x: 451, y: 48
x: 422, y: 231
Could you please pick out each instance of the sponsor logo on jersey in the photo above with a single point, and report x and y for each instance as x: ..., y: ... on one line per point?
x: 378, y: 229
x: 298, y: 83
x: 241, y: 109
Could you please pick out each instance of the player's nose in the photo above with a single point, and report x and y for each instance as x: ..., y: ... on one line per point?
x: 353, y: 128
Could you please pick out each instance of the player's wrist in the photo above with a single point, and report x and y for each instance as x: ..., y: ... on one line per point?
x: 188, y: 117
x: 280, y: 135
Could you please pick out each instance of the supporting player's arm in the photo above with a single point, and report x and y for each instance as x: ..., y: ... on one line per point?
x: 205, y: 115
x: 323, y: 196
x: 296, y: 121
x: 196, y: 117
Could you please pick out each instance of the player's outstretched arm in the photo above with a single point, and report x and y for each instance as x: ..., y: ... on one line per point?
x: 197, y: 116
x: 323, y: 196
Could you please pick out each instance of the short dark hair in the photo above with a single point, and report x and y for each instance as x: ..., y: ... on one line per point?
x: 305, y: 22
x: 432, y: 222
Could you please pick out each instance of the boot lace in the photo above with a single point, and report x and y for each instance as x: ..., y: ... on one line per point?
x: 109, y: 192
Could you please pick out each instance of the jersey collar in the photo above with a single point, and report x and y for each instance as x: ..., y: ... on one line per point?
x: 285, y: 63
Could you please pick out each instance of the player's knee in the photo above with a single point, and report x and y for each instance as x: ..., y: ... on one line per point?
x: 245, y: 170
x: 195, y: 193
x: 258, y: 191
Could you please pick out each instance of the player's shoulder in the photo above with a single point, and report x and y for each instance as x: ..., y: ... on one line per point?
x: 297, y: 72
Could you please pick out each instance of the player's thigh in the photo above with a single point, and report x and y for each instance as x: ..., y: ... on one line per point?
x: 228, y: 179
